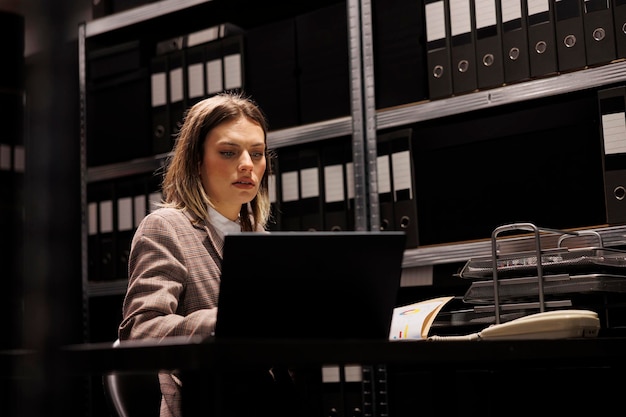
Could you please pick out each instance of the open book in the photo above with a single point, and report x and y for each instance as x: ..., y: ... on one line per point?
x: 413, y: 321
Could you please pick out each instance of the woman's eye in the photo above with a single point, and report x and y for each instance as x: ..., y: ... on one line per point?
x: 227, y: 154
x: 257, y: 155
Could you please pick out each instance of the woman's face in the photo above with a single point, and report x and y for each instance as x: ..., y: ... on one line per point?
x: 233, y: 165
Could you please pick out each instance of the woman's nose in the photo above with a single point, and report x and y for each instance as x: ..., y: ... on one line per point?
x: 245, y: 163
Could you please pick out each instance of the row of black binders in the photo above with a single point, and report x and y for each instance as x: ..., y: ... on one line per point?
x: 395, y: 184
x: 114, y: 210
x: 612, y: 106
x: 297, y: 69
x: 481, y: 44
x: 187, y: 69
x: 312, y: 187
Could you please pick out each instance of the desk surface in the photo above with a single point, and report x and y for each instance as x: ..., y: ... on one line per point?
x: 212, y: 354
x: 199, y: 354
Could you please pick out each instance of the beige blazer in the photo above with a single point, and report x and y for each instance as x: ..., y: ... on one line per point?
x: 174, y: 277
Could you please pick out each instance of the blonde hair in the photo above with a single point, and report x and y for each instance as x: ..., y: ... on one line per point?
x: 182, y: 186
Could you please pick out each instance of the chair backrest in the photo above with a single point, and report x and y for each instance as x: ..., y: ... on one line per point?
x: 136, y: 394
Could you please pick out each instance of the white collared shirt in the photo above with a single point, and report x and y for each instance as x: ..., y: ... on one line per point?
x: 223, y: 224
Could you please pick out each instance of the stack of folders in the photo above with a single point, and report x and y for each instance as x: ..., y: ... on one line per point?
x: 313, y: 186
x: 399, y: 52
x: 396, y: 191
x: 480, y: 44
x: 187, y: 69
x: 114, y: 210
x: 612, y: 106
x: 271, y: 71
x: 118, y: 87
x: 323, y: 63
x: 295, y: 64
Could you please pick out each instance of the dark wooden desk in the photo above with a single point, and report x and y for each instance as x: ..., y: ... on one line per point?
x: 482, y: 378
x: 427, y: 355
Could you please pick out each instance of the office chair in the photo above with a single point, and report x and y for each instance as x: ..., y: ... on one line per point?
x: 136, y: 394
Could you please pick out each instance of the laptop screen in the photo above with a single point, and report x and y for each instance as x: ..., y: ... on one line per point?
x: 318, y: 285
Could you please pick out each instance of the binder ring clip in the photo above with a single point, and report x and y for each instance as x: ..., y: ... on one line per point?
x: 514, y: 54
x: 404, y: 222
x: 463, y: 65
x: 569, y: 41
x: 438, y: 71
x: 599, y: 34
x: 541, y: 47
x: 619, y: 192
x: 488, y: 60
x: 159, y: 131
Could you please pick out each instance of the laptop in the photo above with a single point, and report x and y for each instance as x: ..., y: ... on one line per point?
x: 315, y: 285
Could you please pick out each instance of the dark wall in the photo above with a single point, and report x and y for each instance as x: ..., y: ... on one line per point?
x: 46, y: 291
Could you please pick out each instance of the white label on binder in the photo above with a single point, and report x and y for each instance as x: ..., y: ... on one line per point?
x: 401, y: 163
x: 511, y: 10
x: 353, y: 373
x: 384, y: 177
x: 19, y: 158
x: 271, y: 187
x: 309, y: 182
x: 106, y: 216
x: 92, y: 219
x: 538, y: 6
x: 159, y: 89
x: 139, y: 203
x: 232, y: 71
x: 124, y: 214
x: 203, y: 36
x: 176, y: 85
x: 333, y: 183
x: 330, y: 373
x: 351, y: 190
x: 195, y: 80
x: 485, y: 11
x: 614, y: 133
x: 435, y: 21
x: 214, y: 79
x: 460, y: 18
x: 289, y: 181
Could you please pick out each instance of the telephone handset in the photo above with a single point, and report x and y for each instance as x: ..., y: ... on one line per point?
x: 556, y: 324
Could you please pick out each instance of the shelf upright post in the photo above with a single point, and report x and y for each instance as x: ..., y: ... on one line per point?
x: 82, y: 90
x: 359, y: 30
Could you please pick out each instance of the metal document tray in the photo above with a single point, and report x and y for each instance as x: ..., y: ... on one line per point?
x: 553, y: 261
x: 569, y: 268
x: 526, y: 288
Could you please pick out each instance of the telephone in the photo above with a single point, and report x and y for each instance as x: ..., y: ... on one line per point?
x: 556, y: 324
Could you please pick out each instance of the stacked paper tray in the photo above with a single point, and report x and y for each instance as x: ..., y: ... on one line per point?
x: 526, y: 288
x: 577, y: 261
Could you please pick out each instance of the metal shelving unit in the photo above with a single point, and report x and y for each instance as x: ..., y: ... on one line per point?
x: 514, y: 93
x: 145, y: 16
x: 363, y: 123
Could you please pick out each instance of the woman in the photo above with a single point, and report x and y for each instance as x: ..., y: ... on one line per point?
x: 216, y: 182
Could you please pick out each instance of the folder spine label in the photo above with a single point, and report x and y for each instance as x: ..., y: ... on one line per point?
x: 438, y: 52
x: 462, y: 46
x: 489, y: 65
x: 570, y: 35
x: 599, y: 31
x: 612, y: 104
x: 514, y: 41
x: 541, y: 38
